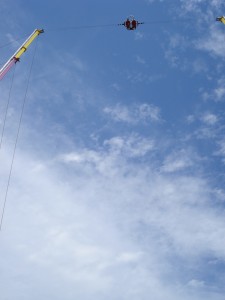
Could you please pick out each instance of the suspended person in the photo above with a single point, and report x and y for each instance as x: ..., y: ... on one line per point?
x: 127, y: 24
x: 134, y: 24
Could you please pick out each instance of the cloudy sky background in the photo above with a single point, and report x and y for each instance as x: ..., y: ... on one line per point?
x: 117, y: 189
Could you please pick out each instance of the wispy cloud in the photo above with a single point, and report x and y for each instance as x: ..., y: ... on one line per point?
x: 213, y: 42
x: 133, y: 115
x: 140, y: 60
x: 91, y: 231
x: 217, y: 93
x: 209, y: 118
x: 197, y: 5
x: 178, y: 161
x: 139, y: 35
x: 221, y: 149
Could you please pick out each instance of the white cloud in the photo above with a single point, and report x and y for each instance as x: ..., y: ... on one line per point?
x: 139, y: 35
x: 178, y: 161
x: 119, y: 113
x: 209, y: 118
x: 206, y: 117
x: 91, y: 232
x: 190, y: 119
x: 195, y: 6
x: 142, y: 77
x: 78, y: 64
x: 151, y: 1
x: 176, y: 45
x: 221, y: 150
x: 103, y: 162
x: 212, y: 43
x: 199, y: 66
x: 196, y: 283
x: 210, y: 32
x: 116, y: 87
x: 132, y: 146
x: 140, y: 60
x: 134, y: 115
x: 217, y: 93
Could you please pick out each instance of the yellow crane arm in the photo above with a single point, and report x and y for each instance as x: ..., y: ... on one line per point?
x: 16, y: 56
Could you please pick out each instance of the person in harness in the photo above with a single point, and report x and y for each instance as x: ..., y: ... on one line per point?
x: 131, y: 23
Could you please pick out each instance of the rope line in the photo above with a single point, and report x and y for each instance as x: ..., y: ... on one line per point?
x: 10, y: 43
x: 7, y: 106
x: 168, y: 21
x: 17, y: 137
x: 111, y: 25
x: 81, y: 27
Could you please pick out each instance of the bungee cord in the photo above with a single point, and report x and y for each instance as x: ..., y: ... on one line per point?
x: 17, y: 138
x: 7, y: 107
x: 150, y: 22
x: 12, y: 42
x: 81, y: 27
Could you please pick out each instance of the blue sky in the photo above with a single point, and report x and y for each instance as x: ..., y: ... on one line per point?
x: 117, y: 189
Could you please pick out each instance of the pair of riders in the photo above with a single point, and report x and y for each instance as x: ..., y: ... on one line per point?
x: 130, y: 24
